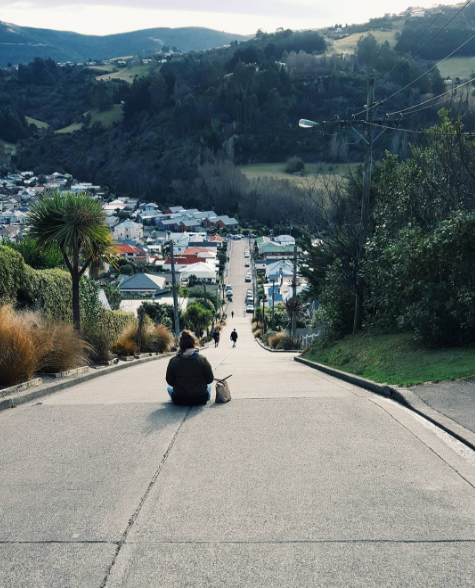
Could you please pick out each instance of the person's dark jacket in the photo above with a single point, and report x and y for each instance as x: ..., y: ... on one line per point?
x: 189, y: 377
x: 234, y: 336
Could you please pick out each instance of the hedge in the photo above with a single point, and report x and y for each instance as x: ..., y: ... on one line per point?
x: 50, y: 291
x: 12, y: 270
x: 114, y: 321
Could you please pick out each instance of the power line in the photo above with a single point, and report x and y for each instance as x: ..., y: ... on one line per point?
x: 425, y: 44
x: 420, y: 132
x: 381, y: 102
x: 431, y: 99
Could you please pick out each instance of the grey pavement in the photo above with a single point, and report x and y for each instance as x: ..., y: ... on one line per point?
x: 301, y: 480
x: 455, y: 399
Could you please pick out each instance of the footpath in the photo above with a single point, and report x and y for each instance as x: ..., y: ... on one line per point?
x: 301, y: 480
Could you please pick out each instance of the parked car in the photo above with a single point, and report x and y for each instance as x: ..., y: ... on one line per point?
x: 229, y: 287
x: 250, y: 308
x: 246, y: 254
x: 248, y: 278
x: 246, y: 264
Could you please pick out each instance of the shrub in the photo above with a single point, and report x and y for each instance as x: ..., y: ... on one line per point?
x: 19, y: 352
x: 275, y: 341
x: 258, y: 334
x: 64, y: 348
x: 124, y: 346
x: 161, y: 340
x: 100, y: 341
x: 114, y: 321
x: 12, y: 269
x: 294, y: 165
x: 289, y: 343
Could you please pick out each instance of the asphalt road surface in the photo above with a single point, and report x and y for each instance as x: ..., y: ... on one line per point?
x: 300, y: 481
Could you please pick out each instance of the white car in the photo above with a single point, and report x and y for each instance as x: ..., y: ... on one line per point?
x: 246, y: 254
x: 246, y: 264
x: 248, y: 278
x: 249, y: 308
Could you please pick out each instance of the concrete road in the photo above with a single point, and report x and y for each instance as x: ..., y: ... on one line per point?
x: 300, y: 481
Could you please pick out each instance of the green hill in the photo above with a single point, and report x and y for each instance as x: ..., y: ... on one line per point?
x: 23, y: 44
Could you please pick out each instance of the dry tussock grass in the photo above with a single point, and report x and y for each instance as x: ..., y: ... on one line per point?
x: 275, y: 342
x: 124, y: 346
x: 19, y: 352
x: 162, y: 339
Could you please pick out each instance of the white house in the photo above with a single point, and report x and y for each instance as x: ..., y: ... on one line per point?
x: 202, y: 271
x: 285, y: 240
x: 128, y: 231
x: 143, y: 285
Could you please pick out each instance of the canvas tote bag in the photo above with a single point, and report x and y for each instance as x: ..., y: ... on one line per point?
x: 223, y: 392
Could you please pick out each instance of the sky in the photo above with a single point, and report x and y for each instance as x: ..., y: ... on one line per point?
x: 103, y: 17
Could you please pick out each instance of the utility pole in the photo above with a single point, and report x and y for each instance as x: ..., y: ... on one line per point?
x: 367, y: 169
x: 273, y: 306
x: 263, y: 313
x: 294, y: 295
x: 175, y: 295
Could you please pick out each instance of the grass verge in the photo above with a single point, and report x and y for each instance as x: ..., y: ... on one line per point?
x: 395, y: 359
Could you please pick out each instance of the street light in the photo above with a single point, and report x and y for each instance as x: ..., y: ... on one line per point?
x: 307, y: 124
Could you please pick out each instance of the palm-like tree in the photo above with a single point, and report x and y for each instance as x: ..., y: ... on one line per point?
x: 75, y: 223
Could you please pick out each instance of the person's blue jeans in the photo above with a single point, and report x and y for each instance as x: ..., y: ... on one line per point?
x: 170, y: 391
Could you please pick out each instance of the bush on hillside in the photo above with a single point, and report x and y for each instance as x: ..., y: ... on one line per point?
x: 294, y: 165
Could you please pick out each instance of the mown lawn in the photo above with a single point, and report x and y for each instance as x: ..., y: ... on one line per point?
x: 395, y: 359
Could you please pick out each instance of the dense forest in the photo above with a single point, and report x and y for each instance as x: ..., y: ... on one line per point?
x: 188, y: 122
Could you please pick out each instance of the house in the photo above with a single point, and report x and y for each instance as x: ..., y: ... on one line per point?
x: 225, y: 222
x: 279, y: 269
x: 200, y: 270
x: 174, y: 210
x: 143, y: 285
x: 9, y: 233
x: 218, y: 240
x: 128, y: 230
x: 273, y: 250
x: 180, y: 262
x: 190, y: 224
x: 131, y: 253
x: 285, y: 240
x: 149, y: 206
x: 277, y: 294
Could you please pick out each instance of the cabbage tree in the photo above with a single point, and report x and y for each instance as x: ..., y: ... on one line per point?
x: 75, y: 223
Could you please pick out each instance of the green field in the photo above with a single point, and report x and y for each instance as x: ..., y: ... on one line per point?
x: 395, y: 359
x: 277, y: 170
x: 106, y: 117
x: 139, y: 71
x: 460, y: 67
x: 71, y: 128
x: 348, y: 44
x: 38, y: 123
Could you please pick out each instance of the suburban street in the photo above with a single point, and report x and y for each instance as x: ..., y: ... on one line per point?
x: 302, y: 480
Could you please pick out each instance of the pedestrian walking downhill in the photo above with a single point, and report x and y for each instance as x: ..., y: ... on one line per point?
x: 216, y: 337
x: 234, y: 337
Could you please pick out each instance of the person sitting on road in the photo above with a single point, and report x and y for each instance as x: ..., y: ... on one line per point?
x: 234, y: 337
x: 189, y: 375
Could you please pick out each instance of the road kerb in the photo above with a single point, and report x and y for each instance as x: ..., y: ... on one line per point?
x: 47, y: 389
x: 403, y: 396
